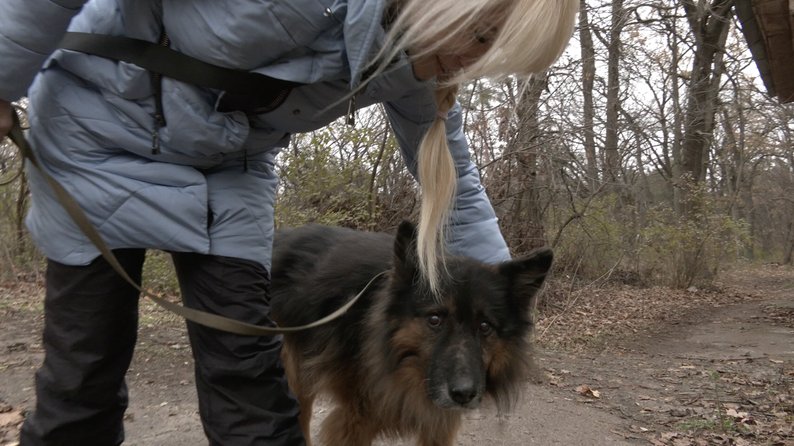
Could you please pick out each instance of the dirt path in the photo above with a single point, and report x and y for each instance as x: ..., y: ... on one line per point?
x: 712, y: 367
x: 720, y: 373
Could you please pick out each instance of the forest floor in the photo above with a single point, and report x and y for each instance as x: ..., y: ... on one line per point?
x: 620, y: 365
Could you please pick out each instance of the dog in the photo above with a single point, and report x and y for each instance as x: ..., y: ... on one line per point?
x: 402, y: 361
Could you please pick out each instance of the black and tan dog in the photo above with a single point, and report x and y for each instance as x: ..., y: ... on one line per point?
x: 401, y: 362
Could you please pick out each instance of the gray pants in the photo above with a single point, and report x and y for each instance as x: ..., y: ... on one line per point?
x: 90, y: 329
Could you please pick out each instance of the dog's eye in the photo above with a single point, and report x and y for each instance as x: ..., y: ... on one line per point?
x: 485, y: 328
x: 434, y: 320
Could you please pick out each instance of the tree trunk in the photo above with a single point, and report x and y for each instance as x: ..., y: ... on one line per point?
x: 588, y: 78
x: 611, y: 156
x: 677, y: 160
x: 21, y: 207
x: 789, y: 248
x: 525, y: 217
x: 709, y: 24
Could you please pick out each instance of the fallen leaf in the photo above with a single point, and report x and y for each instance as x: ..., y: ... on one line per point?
x: 8, y: 419
x: 585, y: 390
x: 734, y: 414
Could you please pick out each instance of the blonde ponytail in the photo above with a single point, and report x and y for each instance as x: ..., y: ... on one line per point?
x: 438, y: 178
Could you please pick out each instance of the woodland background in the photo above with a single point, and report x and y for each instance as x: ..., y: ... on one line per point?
x: 649, y: 154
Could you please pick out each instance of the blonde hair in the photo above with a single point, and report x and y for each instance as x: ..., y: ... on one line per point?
x: 529, y: 35
x: 438, y: 178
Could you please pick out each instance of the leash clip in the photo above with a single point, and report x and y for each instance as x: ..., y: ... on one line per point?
x: 351, y: 111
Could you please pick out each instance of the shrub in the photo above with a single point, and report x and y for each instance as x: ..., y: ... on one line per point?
x: 683, y: 251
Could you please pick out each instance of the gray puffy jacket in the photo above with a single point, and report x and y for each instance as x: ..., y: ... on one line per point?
x: 92, y: 120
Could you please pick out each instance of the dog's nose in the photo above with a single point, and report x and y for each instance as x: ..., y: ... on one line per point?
x: 462, y: 393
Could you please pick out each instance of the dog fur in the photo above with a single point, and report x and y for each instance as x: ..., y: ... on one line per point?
x: 401, y: 361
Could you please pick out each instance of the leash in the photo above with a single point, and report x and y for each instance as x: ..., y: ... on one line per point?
x: 74, y: 210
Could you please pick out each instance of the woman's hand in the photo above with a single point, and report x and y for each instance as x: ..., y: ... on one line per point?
x: 5, y: 118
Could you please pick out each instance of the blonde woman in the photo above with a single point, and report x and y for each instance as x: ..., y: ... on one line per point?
x: 164, y: 162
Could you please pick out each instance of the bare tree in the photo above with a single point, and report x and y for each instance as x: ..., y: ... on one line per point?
x: 709, y: 22
x: 588, y: 106
x: 611, y: 155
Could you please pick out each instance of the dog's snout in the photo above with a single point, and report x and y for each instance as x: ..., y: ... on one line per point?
x: 463, y: 391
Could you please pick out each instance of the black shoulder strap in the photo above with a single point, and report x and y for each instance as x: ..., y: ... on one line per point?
x: 257, y: 89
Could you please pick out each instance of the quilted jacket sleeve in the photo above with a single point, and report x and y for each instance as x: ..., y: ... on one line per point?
x: 474, y: 229
x: 29, y: 32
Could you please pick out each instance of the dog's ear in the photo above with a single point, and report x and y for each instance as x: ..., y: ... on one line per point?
x: 405, y: 250
x: 526, y: 275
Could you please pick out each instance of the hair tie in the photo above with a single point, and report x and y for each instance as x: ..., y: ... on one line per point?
x: 442, y: 115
